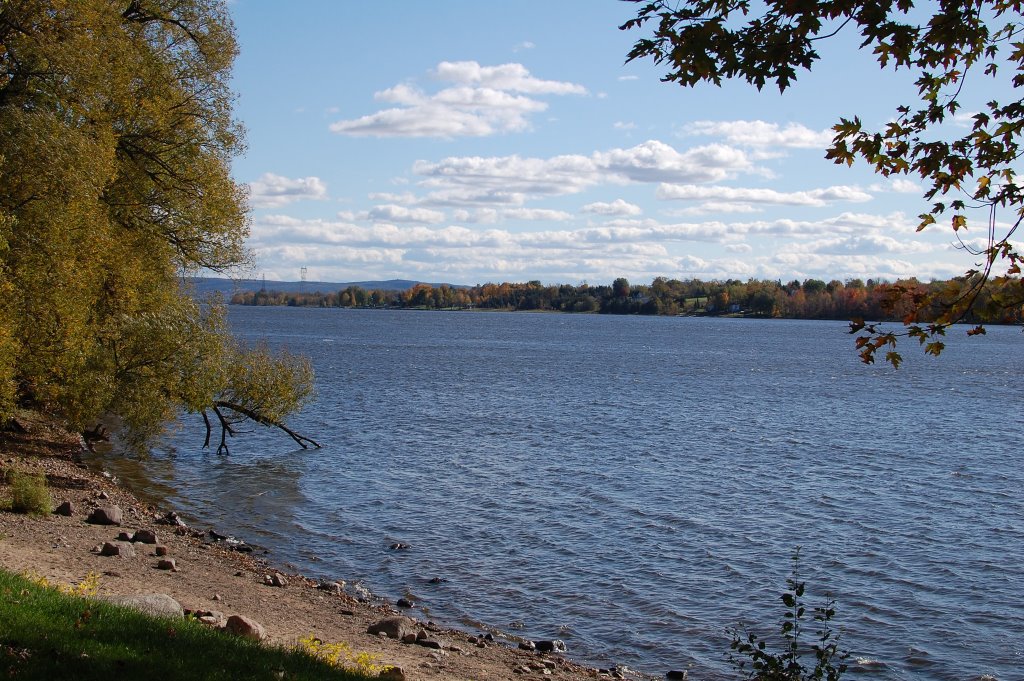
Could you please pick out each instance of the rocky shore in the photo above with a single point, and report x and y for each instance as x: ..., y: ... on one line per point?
x: 149, y: 557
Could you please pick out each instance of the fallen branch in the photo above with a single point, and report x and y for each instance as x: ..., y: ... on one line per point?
x: 302, y: 440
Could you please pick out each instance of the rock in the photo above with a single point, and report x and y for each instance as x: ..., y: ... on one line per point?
x: 278, y: 580
x: 240, y: 625
x: 392, y: 627
x: 123, y: 536
x: 66, y: 509
x: 170, y: 519
x: 160, y: 550
x: 160, y: 605
x: 106, y: 515
x: 103, y: 495
x: 167, y: 564
x: 430, y: 643
x: 218, y: 597
x: 553, y: 646
x: 145, y: 537
x: 438, y: 580
x: 527, y: 645
x: 676, y: 675
x: 332, y: 587
x: 421, y: 635
x: 398, y: 546
x: 392, y: 674
x: 409, y: 638
x: 117, y: 548
x: 404, y: 603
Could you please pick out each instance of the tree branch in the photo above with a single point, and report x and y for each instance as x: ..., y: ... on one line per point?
x: 302, y: 440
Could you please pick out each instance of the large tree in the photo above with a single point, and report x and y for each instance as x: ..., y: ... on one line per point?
x: 116, y: 137
x: 971, y: 179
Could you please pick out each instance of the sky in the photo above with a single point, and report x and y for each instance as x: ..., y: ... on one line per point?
x: 469, y: 142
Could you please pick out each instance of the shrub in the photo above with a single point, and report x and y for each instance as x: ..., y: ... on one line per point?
x: 787, y: 664
x: 29, y: 493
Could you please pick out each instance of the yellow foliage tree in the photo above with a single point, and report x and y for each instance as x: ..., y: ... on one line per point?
x: 116, y: 137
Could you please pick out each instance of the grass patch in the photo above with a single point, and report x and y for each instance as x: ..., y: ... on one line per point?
x: 45, y: 635
x: 29, y: 493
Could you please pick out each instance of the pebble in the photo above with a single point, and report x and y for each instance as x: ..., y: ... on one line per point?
x: 527, y: 645
x: 65, y: 509
x: 332, y: 587
x: 160, y: 550
x: 278, y: 580
x: 168, y: 564
x: 123, y: 536
x: 404, y: 603
x: 552, y: 646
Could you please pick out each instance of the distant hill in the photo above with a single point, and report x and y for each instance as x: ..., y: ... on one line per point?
x: 204, y: 286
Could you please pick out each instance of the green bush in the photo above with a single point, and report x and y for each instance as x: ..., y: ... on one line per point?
x: 787, y: 664
x: 29, y: 493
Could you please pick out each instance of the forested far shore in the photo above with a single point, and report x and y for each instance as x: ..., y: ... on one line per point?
x: 810, y: 299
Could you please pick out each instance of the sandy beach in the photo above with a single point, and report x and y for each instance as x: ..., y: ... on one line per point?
x: 212, y: 576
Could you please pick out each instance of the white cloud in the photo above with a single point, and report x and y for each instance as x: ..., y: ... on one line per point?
x: 538, y: 214
x: 629, y: 78
x: 511, y: 179
x: 904, y: 186
x: 622, y: 125
x: 618, y: 207
x: 868, y: 244
x: 525, y: 45
x: 396, y: 213
x: 485, y: 100
x: 511, y: 77
x: 763, y: 134
x: 813, y: 197
x: 274, y: 191
x: 710, y: 207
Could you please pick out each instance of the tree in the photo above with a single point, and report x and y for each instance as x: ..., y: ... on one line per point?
x: 966, y: 176
x: 116, y: 138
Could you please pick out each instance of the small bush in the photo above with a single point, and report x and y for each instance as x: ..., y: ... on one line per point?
x: 787, y: 663
x: 29, y: 493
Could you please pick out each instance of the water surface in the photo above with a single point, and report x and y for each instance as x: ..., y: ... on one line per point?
x: 636, y: 485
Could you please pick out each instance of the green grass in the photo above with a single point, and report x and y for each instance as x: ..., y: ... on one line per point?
x: 48, y: 635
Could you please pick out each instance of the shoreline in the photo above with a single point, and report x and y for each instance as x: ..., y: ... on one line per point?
x: 211, y: 576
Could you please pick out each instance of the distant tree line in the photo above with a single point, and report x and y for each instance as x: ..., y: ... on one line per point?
x: 809, y: 299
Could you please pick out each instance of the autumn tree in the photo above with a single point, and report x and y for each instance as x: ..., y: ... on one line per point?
x: 116, y: 138
x: 970, y: 178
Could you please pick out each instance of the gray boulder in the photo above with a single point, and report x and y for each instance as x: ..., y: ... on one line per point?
x: 159, y: 605
x: 392, y: 627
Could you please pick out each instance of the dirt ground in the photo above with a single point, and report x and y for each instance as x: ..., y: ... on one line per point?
x: 211, y: 577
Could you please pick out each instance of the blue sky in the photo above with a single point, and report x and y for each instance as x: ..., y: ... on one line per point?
x: 469, y: 142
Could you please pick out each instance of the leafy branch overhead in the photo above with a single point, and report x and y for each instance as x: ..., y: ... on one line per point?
x: 971, y: 179
x: 116, y: 142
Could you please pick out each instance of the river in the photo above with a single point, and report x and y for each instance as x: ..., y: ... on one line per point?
x: 636, y: 485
